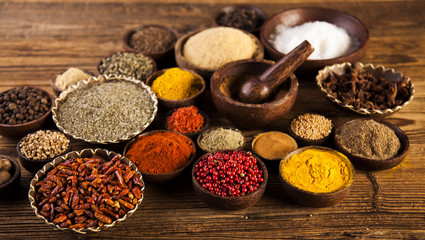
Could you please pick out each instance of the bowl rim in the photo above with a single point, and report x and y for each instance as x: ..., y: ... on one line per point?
x: 15, y: 174
x: 99, y: 80
x: 212, y: 128
x: 322, y: 74
x: 51, y: 165
x: 203, y: 128
x: 256, y: 136
x: 259, y: 11
x: 346, y: 160
x: 56, y: 90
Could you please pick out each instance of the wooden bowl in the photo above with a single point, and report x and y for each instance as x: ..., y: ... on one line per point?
x: 16, y: 131
x: 245, y: 114
x: 157, y: 56
x: 260, y: 14
x: 310, y: 142
x: 297, y: 16
x: 189, y: 134
x: 372, y: 164
x: 15, y: 177
x: 166, y: 177
x: 168, y: 103
x: 230, y: 203
x: 312, y: 199
x: 34, y: 165
x: 57, y: 90
x: 206, y: 73
x: 200, y: 136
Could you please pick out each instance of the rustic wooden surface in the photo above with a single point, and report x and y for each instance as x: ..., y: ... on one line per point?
x: 42, y: 38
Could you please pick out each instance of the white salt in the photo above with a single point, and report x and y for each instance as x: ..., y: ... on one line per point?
x: 328, y: 40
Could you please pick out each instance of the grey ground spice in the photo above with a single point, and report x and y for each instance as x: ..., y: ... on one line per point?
x: 221, y: 138
x: 135, y: 65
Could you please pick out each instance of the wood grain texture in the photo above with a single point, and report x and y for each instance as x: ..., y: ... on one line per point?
x: 41, y: 38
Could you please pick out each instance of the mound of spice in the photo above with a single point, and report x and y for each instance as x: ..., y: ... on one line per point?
x: 152, y: 39
x: 88, y: 192
x: 186, y: 120
x: 23, y: 104
x: 135, y: 65
x: 229, y: 174
x: 316, y: 170
x: 176, y: 84
x: 161, y: 152
x: 273, y: 145
x: 70, y: 77
x: 368, y: 139
x: 44, y: 144
x: 311, y: 126
x: 5, y: 168
x: 243, y: 18
x: 221, y: 138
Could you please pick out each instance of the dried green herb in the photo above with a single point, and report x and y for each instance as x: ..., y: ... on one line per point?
x: 135, y: 65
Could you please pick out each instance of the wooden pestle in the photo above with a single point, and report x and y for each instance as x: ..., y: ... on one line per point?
x: 258, y: 89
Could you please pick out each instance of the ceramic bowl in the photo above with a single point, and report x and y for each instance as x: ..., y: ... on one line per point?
x: 168, y: 103
x: 231, y: 8
x: 230, y: 203
x: 166, y: 177
x: 157, y: 56
x: 310, y: 142
x: 372, y: 164
x: 15, y: 174
x: 202, y: 135
x: 312, y: 199
x: 16, y: 131
x: 57, y: 90
x: 108, y: 155
x: 377, y: 71
x: 189, y: 134
x: 248, y: 115
x: 34, y: 165
x: 204, y: 72
x: 297, y: 16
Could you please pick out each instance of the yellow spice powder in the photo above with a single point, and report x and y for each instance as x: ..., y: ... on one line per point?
x: 176, y: 84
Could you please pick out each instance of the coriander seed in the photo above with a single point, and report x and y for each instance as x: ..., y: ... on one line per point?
x: 311, y: 126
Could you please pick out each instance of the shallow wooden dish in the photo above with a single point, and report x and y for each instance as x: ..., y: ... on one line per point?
x: 15, y: 177
x: 312, y: 199
x: 245, y: 114
x: 371, y: 164
x: 297, y: 16
x: 310, y: 142
x: 34, y: 165
x: 230, y: 203
x: 204, y: 72
x: 168, y: 103
x: 166, y: 177
x: 16, y: 131
x: 157, y: 56
x: 200, y: 136
x: 190, y: 134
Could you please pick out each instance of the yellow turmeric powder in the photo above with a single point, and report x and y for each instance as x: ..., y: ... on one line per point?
x: 176, y: 84
x: 318, y: 171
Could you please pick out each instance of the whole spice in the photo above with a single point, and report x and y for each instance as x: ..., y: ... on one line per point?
x: 70, y: 77
x: 185, y: 120
x: 316, y: 170
x: 5, y: 167
x: 221, y: 138
x: 369, y: 139
x: 176, y: 84
x: 88, y: 192
x: 135, y: 65
x: 229, y: 174
x: 273, y: 145
x: 161, y: 152
x: 311, y: 126
x: 242, y: 18
x: 44, y: 144
x: 23, y: 104
x: 152, y: 39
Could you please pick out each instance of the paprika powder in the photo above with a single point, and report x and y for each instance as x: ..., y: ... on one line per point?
x: 186, y: 120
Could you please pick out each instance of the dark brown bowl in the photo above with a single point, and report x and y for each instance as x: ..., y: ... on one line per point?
x: 158, y: 56
x: 245, y: 114
x: 57, y: 90
x: 371, y: 164
x: 260, y: 14
x: 189, y: 134
x: 310, y: 142
x: 230, y: 203
x: 312, y: 199
x: 206, y: 73
x: 200, y: 136
x: 166, y: 177
x: 297, y: 16
x: 168, y: 103
x: 15, y: 174
x: 34, y: 165
x: 16, y: 131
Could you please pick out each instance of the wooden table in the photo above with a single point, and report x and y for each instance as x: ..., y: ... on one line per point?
x: 41, y: 38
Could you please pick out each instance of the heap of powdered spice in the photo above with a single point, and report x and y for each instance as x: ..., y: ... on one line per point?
x: 161, y: 152
x: 186, y: 120
x: 176, y: 84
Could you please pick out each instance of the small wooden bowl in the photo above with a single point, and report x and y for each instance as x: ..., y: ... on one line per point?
x: 157, y: 56
x: 166, y: 177
x: 310, y: 142
x: 297, y: 16
x: 189, y: 134
x: 245, y: 114
x: 372, y: 164
x: 16, y: 131
x: 260, y: 14
x: 206, y: 73
x: 312, y: 199
x: 230, y: 203
x: 34, y: 165
x: 200, y: 136
x: 168, y: 103
x: 57, y: 90
x: 15, y: 177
